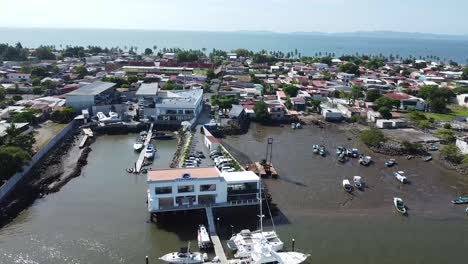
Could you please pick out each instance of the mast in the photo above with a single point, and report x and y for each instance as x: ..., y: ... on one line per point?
x: 261, y: 209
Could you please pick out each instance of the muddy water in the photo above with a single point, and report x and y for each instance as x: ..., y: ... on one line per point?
x: 336, y: 227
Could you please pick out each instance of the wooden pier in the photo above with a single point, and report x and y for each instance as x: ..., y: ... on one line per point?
x: 141, y: 158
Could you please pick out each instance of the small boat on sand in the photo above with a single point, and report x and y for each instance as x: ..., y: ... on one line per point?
x: 293, y: 125
x: 390, y: 162
x: 340, y: 150
x: 433, y: 148
x: 354, y: 153
x: 399, y: 205
x: 428, y: 158
x: 322, y: 151
x: 365, y: 160
x: 298, y: 125
x: 460, y: 200
x: 358, y: 182
x: 347, y: 186
x: 315, y: 149
x: 399, y: 175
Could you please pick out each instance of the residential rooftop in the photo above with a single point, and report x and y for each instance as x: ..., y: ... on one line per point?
x: 94, y: 88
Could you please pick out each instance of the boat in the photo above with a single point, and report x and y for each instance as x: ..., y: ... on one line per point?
x: 184, y: 256
x: 399, y: 205
x: 466, y: 210
x: 130, y: 170
x: 298, y: 125
x: 322, y: 151
x: 433, y: 148
x: 204, y: 241
x: 138, y: 145
x: 400, y: 177
x: 315, y: 149
x: 243, y: 242
x: 347, y: 186
x: 460, y: 200
x: 358, y: 182
x: 365, y: 160
x: 428, y: 158
x: 340, y: 150
x: 293, y: 125
x: 390, y: 162
x: 162, y: 135
x: 149, y: 151
x: 354, y: 153
x: 263, y: 254
x: 342, y: 158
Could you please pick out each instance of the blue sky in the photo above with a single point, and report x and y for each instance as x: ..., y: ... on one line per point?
x: 430, y: 16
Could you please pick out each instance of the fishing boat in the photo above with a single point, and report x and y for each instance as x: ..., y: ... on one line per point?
x: 399, y: 205
x: 354, y: 153
x: 315, y: 149
x: 365, y: 160
x: 184, y: 256
x: 400, y: 177
x: 428, y: 158
x: 342, y: 158
x: 293, y: 125
x: 347, y: 186
x: 390, y: 162
x: 358, y: 182
x: 149, y: 151
x: 340, y: 150
x: 460, y: 200
x: 466, y: 210
x: 204, y: 241
x: 298, y: 125
x: 322, y: 151
x: 433, y: 148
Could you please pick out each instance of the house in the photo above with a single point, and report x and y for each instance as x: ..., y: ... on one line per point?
x: 408, y: 102
x: 299, y: 103
x: 391, y: 123
x: 332, y: 114
x: 22, y: 128
x: 6, y: 113
x: 237, y: 112
x: 462, y: 144
x: 96, y: 93
x: 462, y: 100
x: 174, y: 107
x: 275, y: 109
x: 345, y: 77
x: 195, y: 188
x: 18, y: 77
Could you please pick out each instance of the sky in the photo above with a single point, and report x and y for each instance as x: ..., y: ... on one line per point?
x: 426, y: 16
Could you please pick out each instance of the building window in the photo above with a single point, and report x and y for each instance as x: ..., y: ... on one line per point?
x: 163, y: 190
x: 185, y: 188
x: 189, y: 112
x: 207, y: 187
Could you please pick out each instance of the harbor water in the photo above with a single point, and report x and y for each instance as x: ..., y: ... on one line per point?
x: 101, y: 217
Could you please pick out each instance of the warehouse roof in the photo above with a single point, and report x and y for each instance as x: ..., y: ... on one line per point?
x: 94, y: 88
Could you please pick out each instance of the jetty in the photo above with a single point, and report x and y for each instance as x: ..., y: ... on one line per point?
x: 267, y: 170
x: 141, y: 157
x: 88, y: 133
x: 218, y: 247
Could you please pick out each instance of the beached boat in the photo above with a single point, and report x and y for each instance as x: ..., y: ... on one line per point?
x: 466, y: 210
x: 149, y: 151
x: 342, y: 158
x: 293, y: 125
x: 390, y: 162
x: 298, y: 125
x: 204, y: 241
x: 400, y: 177
x: 358, y: 182
x: 347, y: 186
x: 340, y: 150
x: 365, y: 160
x: 322, y: 151
x: 184, y: 256
x: 354, y: 153
x: 460, y: 200
x: 399, y: 205
x: 428, y: 158
x: 433, y: 148
x: 315, y: 149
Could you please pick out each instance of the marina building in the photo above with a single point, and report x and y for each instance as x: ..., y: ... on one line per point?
x: 93, y: 94
x: 197, y: 188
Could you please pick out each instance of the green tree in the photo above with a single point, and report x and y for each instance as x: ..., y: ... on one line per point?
x: 372, y: 137
x: 446, y: 135
x: 288, y: 103
x: 12, y: 159
x: 210, y: 74
x: 452, y: 154
x: 63, y: 116
x: 356, y: 92
x: 409, y: 147
x: 290, y: 90
x: 349, y: 67
x: 2, y: 94
x: 170, y: 85
x: 261, y: 112
x: 386, y: 102
x: 373, y: 95
x: 81, y: 71
x: 132, y: 79
x: 15, y: 138
x: 465, y: 73
x: 315, y: 104
x: 148, y: 51
x: 36, y: 81
x: 23, y: 117
x: 44, y: 53
x: 38, y: 72
x: 385, y: 112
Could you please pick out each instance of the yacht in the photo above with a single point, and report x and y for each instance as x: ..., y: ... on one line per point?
x: 262, y: 253
x: 184, y: 256
x: 149, y: 151
x: 243, y: 243
x: 138, y: 145
x: 204, y: 241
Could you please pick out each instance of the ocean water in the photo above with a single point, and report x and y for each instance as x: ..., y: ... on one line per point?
x: 306, y: 44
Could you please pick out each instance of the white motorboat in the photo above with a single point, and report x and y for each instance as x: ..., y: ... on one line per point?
x: 293, y: 125
x: 399, y: 175
x: 358, y: 182
x: 399, y: 205
x: 138, y: 144
x: 204, y: 241
x: 149, y: 151
x: 263, y: 254
x: 365, y: 160
x: 184, y: 256
x: 347, y: 186
x: 298, y: 125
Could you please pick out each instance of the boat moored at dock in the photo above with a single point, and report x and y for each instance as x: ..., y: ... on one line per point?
x: 149, y: 151
x: 204, y: 241
x: 184, y: 256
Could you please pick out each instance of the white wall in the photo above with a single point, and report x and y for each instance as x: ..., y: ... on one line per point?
x: 462, y: 100
x: 462, y: 145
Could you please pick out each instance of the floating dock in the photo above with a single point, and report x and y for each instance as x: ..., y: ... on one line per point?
x: 263, y: 171
x: 218, y: 247
x: 141, y: 158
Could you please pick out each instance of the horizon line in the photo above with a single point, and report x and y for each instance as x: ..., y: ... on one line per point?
x: 242, y: 31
